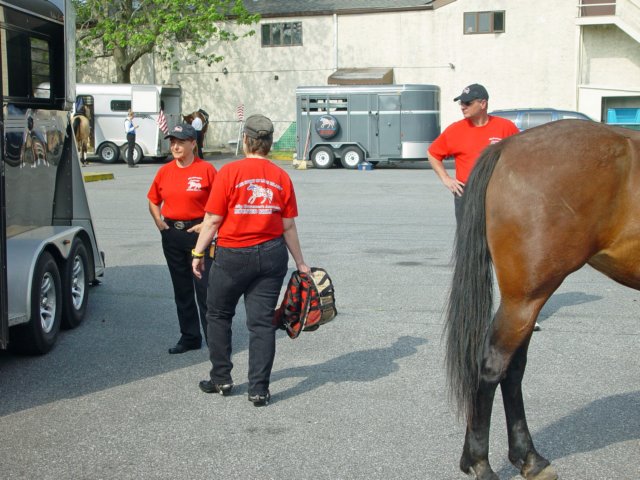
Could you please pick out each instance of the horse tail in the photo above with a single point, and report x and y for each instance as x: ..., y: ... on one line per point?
x: 471, y: 298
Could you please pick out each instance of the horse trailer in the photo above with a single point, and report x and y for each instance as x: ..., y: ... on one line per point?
x: 107, y: 106
x: 49, y: 254
x: 374, y: 123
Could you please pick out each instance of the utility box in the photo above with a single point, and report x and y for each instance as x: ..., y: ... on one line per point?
x: 348, y: 125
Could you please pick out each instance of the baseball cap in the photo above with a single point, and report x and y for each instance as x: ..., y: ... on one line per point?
x: 473, y: 92
x: 258, y: 126
x: 182, y: 131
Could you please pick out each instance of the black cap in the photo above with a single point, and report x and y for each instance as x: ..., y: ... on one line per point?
x: 473, y: 92
x: 183, y: 131
x: 258, y: 126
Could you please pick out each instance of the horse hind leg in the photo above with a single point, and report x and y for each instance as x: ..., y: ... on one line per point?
x: 522, y: 453
x: 475, y: 453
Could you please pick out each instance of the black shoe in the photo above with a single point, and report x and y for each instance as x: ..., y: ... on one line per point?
x: 180, y: 348
x: 207, y: 386
x: 260, y: 400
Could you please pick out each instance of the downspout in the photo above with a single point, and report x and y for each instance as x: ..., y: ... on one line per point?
x: 335, y: 41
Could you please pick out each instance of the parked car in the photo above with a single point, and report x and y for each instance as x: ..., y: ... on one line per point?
x: 525, y: 118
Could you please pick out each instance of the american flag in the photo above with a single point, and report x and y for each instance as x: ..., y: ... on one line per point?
x: 162, y: 123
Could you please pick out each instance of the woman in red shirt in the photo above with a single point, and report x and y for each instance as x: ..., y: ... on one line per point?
x: 252, y: 209
x: 177, y: 198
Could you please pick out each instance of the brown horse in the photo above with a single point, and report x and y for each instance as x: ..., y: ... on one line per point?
x: 538, y: 206
x: 202, y: 115
x: 82, y: 131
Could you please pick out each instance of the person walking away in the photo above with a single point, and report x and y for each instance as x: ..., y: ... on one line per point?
x: 465, y: 139
x: 177, y: 198
x: 130, y: 130
x: 197, y: 124
x: 252, y: 208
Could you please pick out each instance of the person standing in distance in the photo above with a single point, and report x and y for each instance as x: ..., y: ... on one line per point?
x: 252, y: 208
x: 177, y: 198
x: 465, y: 139
x: 197, y: 124
x: 130, y: 130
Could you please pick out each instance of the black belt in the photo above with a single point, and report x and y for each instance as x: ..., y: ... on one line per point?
x: 182, y: 224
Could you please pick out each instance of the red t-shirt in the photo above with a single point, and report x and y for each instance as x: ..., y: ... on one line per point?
x: 464, y: 141
x: 253, y: 195
x: 183, y: 192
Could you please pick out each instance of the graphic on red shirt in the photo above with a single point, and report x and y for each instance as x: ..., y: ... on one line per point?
x: 253, y: 196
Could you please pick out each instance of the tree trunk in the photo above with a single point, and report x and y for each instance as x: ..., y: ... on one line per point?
x: 123, y: 65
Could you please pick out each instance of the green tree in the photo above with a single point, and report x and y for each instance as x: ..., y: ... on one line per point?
x: 128, y: 29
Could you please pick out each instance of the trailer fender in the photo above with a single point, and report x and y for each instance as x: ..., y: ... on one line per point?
x: 24, y: 251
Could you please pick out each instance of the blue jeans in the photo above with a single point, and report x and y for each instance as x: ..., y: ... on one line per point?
x: 257, y: 272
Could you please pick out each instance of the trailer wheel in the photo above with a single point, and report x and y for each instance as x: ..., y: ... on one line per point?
x: 137, y: 153
x: 323, y: 157
x: 39, y: 335
x: 351, y: 157
x: 75, y: 285
x: 109, y: 152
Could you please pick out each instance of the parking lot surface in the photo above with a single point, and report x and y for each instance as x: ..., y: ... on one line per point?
x: 364, y: 397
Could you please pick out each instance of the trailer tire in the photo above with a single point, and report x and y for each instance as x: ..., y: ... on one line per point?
x: 109, y: 152
x: 39, y: 335
x: 75, y: 285
x: 137, y: 153
x: 323, y: 157
x: 351, y: 157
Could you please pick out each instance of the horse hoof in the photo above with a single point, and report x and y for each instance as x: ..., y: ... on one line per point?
x: 547, y: 473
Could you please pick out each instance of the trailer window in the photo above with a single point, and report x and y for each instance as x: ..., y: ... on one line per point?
x: 120, y: 105
x: 32, y: 59
x: 327, y: 105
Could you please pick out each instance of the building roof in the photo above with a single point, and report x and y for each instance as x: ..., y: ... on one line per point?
x: 325, y: 7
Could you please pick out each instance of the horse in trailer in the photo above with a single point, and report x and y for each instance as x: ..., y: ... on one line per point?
x: 82, y: 132
x: 537, y: 207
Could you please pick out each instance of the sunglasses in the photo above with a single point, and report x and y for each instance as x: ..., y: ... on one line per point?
x: 468, y: 104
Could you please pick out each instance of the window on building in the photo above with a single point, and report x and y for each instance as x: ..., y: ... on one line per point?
x: 483, y: 22
x: 281, y: 34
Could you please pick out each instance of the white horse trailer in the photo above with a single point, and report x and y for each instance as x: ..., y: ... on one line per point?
x: 107, y: 106
x: 378, y: 123
x: 49, y: 254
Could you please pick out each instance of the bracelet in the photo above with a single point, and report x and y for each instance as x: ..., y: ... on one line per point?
x: 195, y: 254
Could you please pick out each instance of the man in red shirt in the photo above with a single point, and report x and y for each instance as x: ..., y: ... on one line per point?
x: 465, y: 139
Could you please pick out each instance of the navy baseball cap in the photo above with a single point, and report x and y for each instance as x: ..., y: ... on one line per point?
x: 473, y: 92
x: 182, y: 131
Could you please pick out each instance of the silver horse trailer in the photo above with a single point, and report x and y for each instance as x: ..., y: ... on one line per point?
x: 49, y: 254
x: 374, y: 123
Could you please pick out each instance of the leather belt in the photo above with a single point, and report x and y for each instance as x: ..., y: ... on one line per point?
x: 182, y: 224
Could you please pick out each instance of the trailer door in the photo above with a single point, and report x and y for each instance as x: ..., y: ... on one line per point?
x: 145, y: 99
x: 390, y: 144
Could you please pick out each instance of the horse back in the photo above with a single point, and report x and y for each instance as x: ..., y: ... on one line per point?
x: 563, y: 193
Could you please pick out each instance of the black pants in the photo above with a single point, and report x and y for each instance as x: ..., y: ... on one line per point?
x: 131, y: 143
x: 257, y: 273
x: 190, y: 293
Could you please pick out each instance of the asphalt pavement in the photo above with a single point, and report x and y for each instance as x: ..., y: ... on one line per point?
x: 363, y: 397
